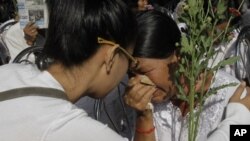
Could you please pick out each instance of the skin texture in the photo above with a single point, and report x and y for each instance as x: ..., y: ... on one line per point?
x: 142, y: 4
x: 237, y: 94
x: 160, y: 72
x: 30, y: 33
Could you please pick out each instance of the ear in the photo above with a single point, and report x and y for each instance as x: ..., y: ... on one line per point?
x: 109, y: 58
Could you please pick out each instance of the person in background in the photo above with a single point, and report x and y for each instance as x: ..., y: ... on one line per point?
x: 13, y: 36
x: 89, y: 43
x: 156, y: 50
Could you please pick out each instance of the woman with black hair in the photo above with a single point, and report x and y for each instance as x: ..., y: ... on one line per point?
x: 89, y: 43
x: 158, y: 56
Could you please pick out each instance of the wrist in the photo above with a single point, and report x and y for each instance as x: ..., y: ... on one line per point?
x: 144, y: 120
x: 145, y: 114
x: 145, y: 131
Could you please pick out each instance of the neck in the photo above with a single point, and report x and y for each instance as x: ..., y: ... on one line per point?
x: 76, y: 81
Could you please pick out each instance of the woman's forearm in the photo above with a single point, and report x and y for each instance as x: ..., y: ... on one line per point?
x: 145, y: 130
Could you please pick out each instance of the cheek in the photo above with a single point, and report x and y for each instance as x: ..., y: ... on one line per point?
x: 162, y: 79
x: 121, y: 70
x: 165, y: 83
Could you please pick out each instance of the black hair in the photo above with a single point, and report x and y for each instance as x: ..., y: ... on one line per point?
x: 168, y: 4
x: 8, y: 10
x: 157, y: 35
x: 75, y: 25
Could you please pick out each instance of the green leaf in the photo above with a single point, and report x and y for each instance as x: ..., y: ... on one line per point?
x: 215, y: 89
x: 186, y: 48
x: 223, y: 63
x: 221, y: 7
x: 182, y: 97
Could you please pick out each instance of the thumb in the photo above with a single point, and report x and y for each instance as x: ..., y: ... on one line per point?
x: 238, y: 92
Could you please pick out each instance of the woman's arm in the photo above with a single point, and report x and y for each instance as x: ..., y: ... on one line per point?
x: 145, y: 130
x: 138, y: 96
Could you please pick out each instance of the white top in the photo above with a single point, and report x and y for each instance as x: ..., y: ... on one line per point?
x: 235, y: 114
x: 14, y: 40
x: 41, y: 118
x: 171, y: 126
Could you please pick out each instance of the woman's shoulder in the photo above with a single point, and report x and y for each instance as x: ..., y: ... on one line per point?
x: 25, y: 75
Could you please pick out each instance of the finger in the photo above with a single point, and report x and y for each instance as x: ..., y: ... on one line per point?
x: 132, y: 92
x: 134, y: 87
x: 139, y: 100
x: 29, y: 42
x: 34, y: 33
x: 132, y: 81
x: 238, y: 92
x: 148, y: 96
x: 33, y: 27
x: 246, y: 101
x: 143, y: 90
x: 29, y: 24
x: 143, y: 103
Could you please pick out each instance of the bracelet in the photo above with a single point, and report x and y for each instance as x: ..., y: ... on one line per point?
x: 141, y: 131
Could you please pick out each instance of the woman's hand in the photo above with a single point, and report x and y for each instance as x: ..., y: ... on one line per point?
x: 138, y: 95
x: 30, y: 33
x: 237, y: 94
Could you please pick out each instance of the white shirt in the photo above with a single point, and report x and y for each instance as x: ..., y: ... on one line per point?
x: 41, y: 118
x: 14, y: 40
x: 235, y: 114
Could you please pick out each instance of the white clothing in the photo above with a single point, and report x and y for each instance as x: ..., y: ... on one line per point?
x: 231, y: 49
x: 171, y: 126
x: 41, y: 118
x: 14, y: 40
x: 235, y: 114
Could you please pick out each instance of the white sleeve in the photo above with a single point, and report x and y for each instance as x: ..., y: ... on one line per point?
x: 14, y: 40
x: 80, y: 128
x: 236, y: 113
